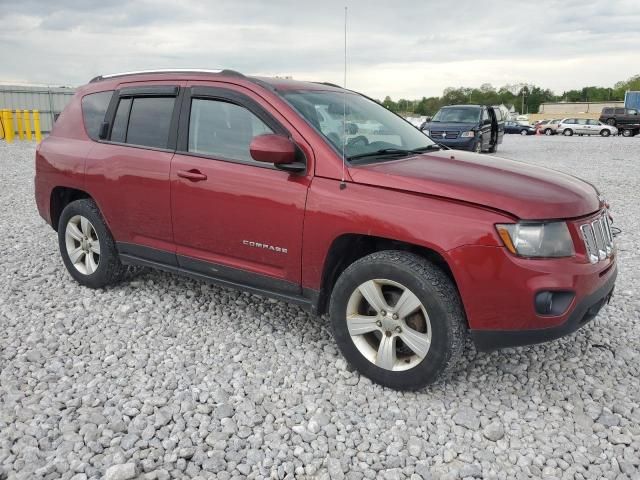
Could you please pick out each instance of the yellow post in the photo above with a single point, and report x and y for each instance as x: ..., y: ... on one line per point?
x: 27, y: 125
x: 20, y: 127
x: 8, y: 124
x: 36, y: 125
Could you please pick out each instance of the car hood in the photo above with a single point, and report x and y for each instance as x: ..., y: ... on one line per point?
x: 523, y: 190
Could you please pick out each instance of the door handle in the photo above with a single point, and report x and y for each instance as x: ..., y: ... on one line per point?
x: 192, y: 175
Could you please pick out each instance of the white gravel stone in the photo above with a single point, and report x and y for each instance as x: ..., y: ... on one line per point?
x: 173, y: 378
x: 123, y: 471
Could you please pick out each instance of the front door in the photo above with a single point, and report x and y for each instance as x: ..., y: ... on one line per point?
x: 234, y: 218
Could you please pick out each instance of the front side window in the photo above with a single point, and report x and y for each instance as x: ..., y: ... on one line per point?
x: 94, y: 108
x: 361, y: 126
x: 619, y: 111
x: 223, y: 129
x: 143, y: 121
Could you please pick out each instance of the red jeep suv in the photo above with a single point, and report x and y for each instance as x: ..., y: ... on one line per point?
x: 320, y: 196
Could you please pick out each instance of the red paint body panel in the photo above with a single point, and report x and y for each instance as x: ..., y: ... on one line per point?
x: 404, y: 216
x: 433, y: 201
x: 213, y: 218
x: 131, y: 187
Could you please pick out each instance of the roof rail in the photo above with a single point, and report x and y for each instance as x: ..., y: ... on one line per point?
x: 169, y: 70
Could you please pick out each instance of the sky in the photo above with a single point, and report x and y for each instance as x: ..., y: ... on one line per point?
x: 401, y: 48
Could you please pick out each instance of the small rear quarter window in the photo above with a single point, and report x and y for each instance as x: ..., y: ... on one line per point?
x: 94, y: 108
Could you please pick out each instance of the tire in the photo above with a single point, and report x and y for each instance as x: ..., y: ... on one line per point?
x: 97, y: 263
x: 567, y: 132
x: 611, y: 121
x: 477, y: 148
x: 493, y: 148
x: 524, y: 133
x: 605, y: 132
x: 627, y: 133
x: 548, y: 131
x: 391, y: 273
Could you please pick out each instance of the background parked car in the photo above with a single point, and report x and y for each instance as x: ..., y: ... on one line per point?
x: 513, y: 127
x: 550, y: 128
x: 477, y: 128
x: 619, y: 116
x: 540, y: 123
x: 583, y: 126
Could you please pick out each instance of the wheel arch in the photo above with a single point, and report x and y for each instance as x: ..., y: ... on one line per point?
x: 349, y: 247
x: 61, y: 197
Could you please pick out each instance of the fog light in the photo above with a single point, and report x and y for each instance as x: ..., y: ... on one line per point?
x: 553, y: 303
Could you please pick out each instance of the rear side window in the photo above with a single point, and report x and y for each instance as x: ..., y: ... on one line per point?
x: 143, y: 121
x: 223, y: 129
x: 607, y: 110
x: 94, y: 108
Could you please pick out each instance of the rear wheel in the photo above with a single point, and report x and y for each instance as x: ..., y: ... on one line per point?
x: 87, y: 247
x: 627, y: 133
x: 567, y: 132
x: 605, y: 132
x: 398, y: 319
x: 611, y: 121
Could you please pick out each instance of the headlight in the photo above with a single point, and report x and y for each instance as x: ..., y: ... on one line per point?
x: 468, y: 134
x: 537, y: 239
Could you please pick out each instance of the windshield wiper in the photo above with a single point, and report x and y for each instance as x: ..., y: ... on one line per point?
x: 394, y: 151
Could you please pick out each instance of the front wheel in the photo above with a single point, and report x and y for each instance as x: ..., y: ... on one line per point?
x: 524, y: 133
x: 627, y: 133
x: 398, y: 319
x: 478, y: 146
x: 605, y: 133
x: 567, y: 132
x: 548, y: 131
x: 87, y: 247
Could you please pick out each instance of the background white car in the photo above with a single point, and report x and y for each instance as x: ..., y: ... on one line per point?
x: 583, y: 126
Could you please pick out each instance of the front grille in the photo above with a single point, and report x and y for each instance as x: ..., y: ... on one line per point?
x: 598, y: 238
x: 449, y: 134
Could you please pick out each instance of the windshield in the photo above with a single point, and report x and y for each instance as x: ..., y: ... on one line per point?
x: 367, y: 129
x: 457, y: 115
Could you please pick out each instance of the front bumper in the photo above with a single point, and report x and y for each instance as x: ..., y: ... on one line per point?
x: 583, y: 312
x: 467, y: 143
x: 498, y: 291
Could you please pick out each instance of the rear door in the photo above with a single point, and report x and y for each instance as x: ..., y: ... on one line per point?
x: 234, y: 218
x: 128, y: 171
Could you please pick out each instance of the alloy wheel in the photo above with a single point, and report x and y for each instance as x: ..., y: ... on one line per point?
x: 83, y: 245
x: 388, y: 324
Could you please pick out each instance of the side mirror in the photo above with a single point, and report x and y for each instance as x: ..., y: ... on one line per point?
x: 275, y: 149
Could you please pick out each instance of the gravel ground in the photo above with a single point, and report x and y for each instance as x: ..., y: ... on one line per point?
x: 163, y: 377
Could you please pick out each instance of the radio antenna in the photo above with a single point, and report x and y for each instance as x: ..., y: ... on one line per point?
x: 343, y: 185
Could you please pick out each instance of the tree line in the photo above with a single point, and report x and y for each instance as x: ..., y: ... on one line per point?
x: 525, y: 98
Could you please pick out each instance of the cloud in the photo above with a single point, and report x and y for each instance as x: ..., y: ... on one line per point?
x: 405, y: 48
